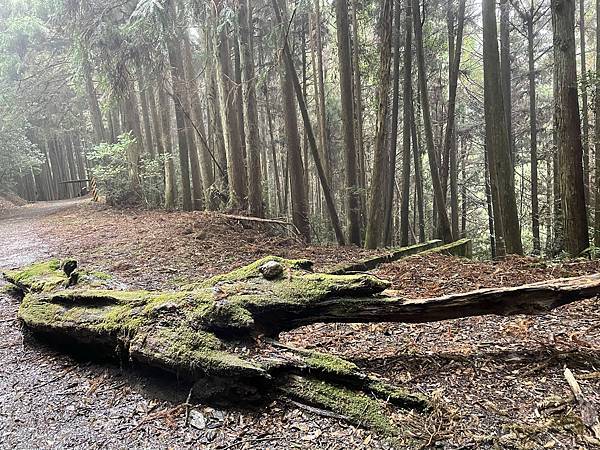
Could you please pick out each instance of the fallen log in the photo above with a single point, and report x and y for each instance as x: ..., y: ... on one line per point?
x: 366, y: 264
x: 213, y: 332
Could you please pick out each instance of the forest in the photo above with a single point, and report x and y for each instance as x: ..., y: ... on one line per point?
x: 372, y: 123
x: 235, y: 224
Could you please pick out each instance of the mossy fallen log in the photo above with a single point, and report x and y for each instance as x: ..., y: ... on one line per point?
x: 462, y: 247
x: 366, y: 264
x: 219, y: 332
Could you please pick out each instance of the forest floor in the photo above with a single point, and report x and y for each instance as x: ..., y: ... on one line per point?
x: 498, y: 382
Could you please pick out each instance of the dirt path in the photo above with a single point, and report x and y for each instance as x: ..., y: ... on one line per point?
x: 51, y: 400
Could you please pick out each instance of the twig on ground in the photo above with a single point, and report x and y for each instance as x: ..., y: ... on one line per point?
x: 589, y: 415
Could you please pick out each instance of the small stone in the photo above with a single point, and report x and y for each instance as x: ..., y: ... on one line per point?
x: 271, y: 270
x: 197, y: 419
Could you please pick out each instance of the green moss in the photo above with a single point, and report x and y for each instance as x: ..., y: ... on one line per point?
x: 398, y: 396
x: 99, y: 275
x: 462, y: 247
x: 252, y: 270
x: 357, y: 407
x: 38, y: 277
x: 328, y: 364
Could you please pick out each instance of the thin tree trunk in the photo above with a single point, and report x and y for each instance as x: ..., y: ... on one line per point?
x: 349, y: 134
x: 420, y: 207
x: 238, y: 180
x: 585, y: 125
x: 143, y: 89
x: 535, y: 213
x: 178, y: 81
x: 358, y: 111
x: 321, y: 111
x: 253, y: 145
x: 407, y: 120
x: 95, y: 112
x: 391, y: 177
x: 433, y: 165
x: 165, y: 127
x: 294, y: 150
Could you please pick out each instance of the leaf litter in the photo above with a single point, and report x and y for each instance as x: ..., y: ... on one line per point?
x: 496, y: 382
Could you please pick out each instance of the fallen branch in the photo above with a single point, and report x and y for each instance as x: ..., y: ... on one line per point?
x: 589, y: 415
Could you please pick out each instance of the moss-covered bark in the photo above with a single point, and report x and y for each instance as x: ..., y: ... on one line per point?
x: 213, y: 332
x: 210, y: 332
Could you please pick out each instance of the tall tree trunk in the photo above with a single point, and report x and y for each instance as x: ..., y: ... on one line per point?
x: 215, y: 124
x: 197, y: 117
x: 97, y: 124
x: 178, y: 82
x: 377, y: 201
x: 597, y: 135
x: 454, y: 52
x: 445, y: 227
x: 143, y: 90
x: 388, y: 222
x: 585, y: 126
x: 253, y: 144
x: 568, y: 128
x: 497, y: 138
x: 407, y: 118
x: 488, y: 201
x: 358, y: 111
x: 294, y: 150
x: 238, y: 180
x: 321, y: 111
x: 535, y: 212
x: 420, y: 206
x: 156, y: 129
x: 505, y: 71
x: 347, y: 100
x: 165, y: 128
x: 196, y: 140
x: 132, y: 125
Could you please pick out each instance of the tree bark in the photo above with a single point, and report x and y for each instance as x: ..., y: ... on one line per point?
x: 433, y: 165
x: 505, y: 72
x: 388, y: 222
x: 497, y: 139
x: 597, y: 134
x: 407, y: 119
x: 381, y: 158
x: 294, y: 150
x: 585, y: 125
x: 97, y: 124
x: 535, y: 212
x: 255, y: 200
x: 349, y: 133
x: 238, y: 179
x: 178, y: 93
x: 568, y: 129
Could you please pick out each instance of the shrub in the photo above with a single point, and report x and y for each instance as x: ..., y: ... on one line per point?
x: 110, y: 167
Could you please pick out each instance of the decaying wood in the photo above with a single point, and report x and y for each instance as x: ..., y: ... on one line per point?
x: 393, y: 255
x: 462, y: 247
x: 589, y: 415
x: 213, y: 332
